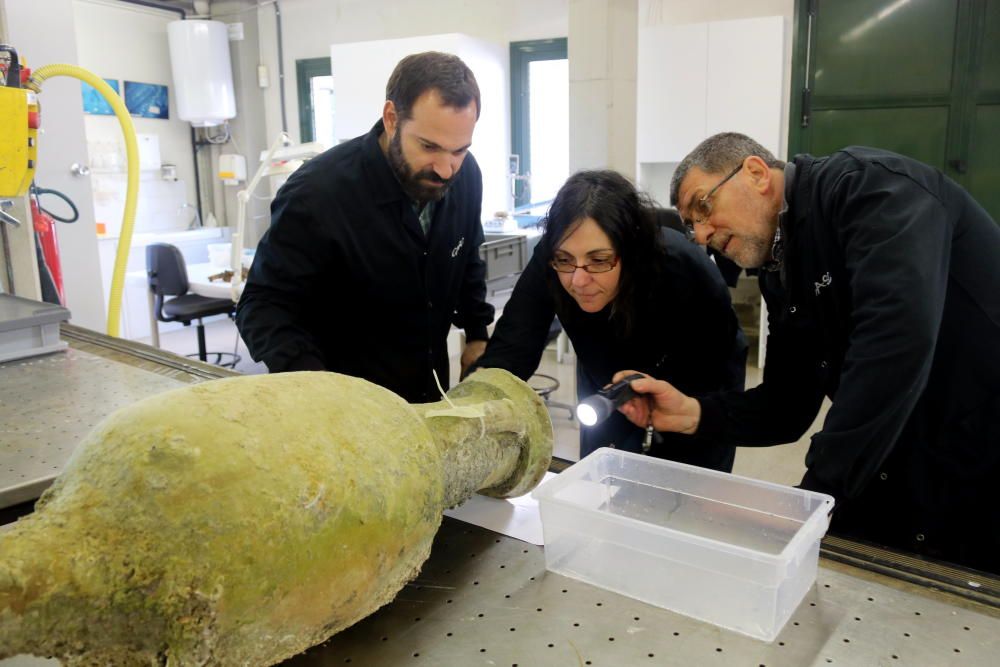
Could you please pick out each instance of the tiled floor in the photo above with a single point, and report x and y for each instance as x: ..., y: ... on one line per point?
x: 784, y: 464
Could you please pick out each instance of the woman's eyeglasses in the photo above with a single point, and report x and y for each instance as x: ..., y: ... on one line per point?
x: 567, y: 266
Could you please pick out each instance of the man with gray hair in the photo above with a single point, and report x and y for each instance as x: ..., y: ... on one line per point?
x: 882, y: 282
x: 373, y: 249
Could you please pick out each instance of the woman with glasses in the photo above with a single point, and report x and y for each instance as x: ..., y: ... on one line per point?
x: 629, y: 293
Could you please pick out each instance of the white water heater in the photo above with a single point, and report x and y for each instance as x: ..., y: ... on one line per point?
x: 203, y: 74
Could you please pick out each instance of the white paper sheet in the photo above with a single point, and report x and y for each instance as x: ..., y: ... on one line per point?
x: 514, y: 517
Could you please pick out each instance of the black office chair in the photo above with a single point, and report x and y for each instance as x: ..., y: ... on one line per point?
x: 167, y: 276
x: 545, y: 385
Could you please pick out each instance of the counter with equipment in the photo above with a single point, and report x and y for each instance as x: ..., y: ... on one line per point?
x: 484, y: 598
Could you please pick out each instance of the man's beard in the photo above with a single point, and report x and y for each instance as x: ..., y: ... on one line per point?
x: 753, y: 253
x: 415, y: 184
x: 756, y: 242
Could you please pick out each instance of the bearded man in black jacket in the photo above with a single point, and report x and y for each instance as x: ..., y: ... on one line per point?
x: 373, y: 249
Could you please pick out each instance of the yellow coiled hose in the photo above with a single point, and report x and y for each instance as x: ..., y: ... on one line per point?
x: 132, y: 193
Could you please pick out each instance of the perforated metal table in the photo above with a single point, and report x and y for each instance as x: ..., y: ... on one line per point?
x: 486, y: 599
x: 49, y: 402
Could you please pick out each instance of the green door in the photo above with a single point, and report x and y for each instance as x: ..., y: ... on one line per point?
x: 918, y: 77
x: 983, y: 179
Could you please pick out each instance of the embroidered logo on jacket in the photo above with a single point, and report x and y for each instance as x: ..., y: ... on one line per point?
x: 823, y: 282
x: 454, y: 252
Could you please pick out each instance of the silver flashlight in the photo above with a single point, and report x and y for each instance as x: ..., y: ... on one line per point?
x: 597, y: 407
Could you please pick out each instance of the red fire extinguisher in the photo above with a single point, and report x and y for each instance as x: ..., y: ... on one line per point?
x: 48, y: 243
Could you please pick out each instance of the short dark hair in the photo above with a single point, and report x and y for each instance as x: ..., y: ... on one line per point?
x: 432, y: 70
x: 626, y: 215
x: 718, y: 154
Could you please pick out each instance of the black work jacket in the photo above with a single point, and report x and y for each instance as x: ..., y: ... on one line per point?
x: 685, y: 332
x: 345, y: 279
x: 888, y: 303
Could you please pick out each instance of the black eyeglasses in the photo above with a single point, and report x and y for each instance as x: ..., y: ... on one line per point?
x: 564, y: 265
x: 702, y: 207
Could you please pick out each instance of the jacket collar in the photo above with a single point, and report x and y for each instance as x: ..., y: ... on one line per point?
x: 777, y: 260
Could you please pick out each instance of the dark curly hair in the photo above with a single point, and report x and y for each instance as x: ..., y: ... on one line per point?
x: 627, y: 216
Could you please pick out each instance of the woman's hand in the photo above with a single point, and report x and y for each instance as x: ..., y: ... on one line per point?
x: 661, y: 404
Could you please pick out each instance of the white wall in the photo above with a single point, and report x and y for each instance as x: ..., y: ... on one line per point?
x: 602, y: 85
x: 365, y: 89
x: 42, y: 31
x: 116, y: 40
x: 250, y: 135
x: 311, y: 26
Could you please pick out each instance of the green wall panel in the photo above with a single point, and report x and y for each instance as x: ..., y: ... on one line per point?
x: 984, y: 159
x: 885, y: 47
x: 891, y: 129
x: 989, y: 73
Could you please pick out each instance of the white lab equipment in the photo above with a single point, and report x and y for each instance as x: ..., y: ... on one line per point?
x: 232, y: 168
x: 203, y: 74
x: 281, y: 158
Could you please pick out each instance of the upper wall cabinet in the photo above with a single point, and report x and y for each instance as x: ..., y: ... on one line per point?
x: 697, y: 79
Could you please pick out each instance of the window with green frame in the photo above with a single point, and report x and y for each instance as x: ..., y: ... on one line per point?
x: 539, y: 66
x: 313, y: 76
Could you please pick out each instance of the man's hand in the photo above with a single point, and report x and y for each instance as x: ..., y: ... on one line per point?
x: 669, y: 409
x: 473, y: 350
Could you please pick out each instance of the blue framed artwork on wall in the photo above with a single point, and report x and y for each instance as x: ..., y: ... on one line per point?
x: 94, y: 102
x: 146, y: 100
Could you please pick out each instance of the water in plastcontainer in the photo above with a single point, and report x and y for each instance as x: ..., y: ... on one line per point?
x: 686, y: 513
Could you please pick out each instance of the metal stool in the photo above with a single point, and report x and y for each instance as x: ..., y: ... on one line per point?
x: 544, y: 389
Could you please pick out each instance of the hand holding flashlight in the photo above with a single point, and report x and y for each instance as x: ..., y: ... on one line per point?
x: 658, y: 403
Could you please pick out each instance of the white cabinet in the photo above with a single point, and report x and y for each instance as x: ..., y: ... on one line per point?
x: 697, y: 79
x: 672, y: 84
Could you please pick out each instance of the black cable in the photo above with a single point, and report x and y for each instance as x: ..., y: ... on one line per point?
x: 195, y: 147
x: 281, y: 68
x: 46, y: 282
x: 155, y: 5
x: 38, y: 192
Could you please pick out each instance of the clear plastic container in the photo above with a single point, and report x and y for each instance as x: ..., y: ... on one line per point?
x: 733, y: 551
